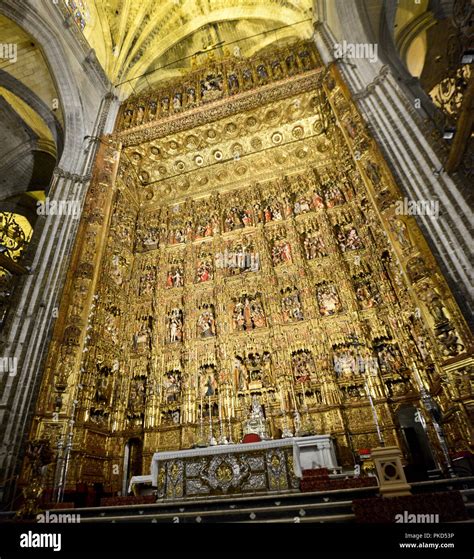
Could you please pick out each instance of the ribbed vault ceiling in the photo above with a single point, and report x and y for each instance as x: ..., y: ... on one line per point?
x: 142, y: 42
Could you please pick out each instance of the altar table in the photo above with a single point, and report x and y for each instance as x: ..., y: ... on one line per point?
x: 271, y: 465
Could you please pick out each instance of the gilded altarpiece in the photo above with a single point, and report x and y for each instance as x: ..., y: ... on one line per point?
x: 240, y: 239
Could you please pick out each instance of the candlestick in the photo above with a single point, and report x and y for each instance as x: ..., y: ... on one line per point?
x: 282, y: 399
x: 294, y: 397
x: 201, y: 419
x: 212, y: 441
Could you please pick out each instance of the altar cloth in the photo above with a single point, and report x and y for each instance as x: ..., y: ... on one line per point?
x: 270, y: 465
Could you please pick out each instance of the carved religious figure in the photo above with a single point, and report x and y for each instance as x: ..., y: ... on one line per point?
x: 175, y: 276
x: 303, y: 365
x: 204, y: 267
x: 240, y: 374
x: 175, y: 325
x: 206, y: 322
x: 281, y: 252
x: 328, y: 300
x: 313, y: 245
x: 291, y: 305
x: 348, y: 238
x: 248, y: 313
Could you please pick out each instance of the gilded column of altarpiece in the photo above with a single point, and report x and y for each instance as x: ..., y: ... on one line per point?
x: 240, y: 239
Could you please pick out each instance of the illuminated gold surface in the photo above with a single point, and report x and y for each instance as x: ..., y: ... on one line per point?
x: 339, y: 277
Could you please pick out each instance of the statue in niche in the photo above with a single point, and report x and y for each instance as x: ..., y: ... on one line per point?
x: 127, y: 118
x: 305, y: 59
x: 313, y: 245
x: 373, y: 171
x: 103, y: 391
x: 117, y: 270
x: 258, y: 213
x: 303, y: 365
x: 147, y: 281
x: 177, y: 101
x: 206, y: 322
x: 141, y: 339
x: 247, y: 77
x: 257, y: 421
x: 152, y: 109
x: 277, y: 70
x: 281, y: 252
x: 291, y: 65
x: 140, y: 115
x: 365, y: 293
x: 172, y: 384
x: 262, y: 73
x: 348, y: 238
x: 333, y: 195
x: 207, y: 380
x: 400, y: 230
x: 175, y: 325
x: 136, y: 398
x: 317, y: 201
x: 291, y: 305
x: 175, y: 277
x: 328, y: 300
x: 351, y: 127
x: 233, y: 83
x: 417, y: 269
x: 345, y: 363
x: 434, y: 304
x: 268, y: 377
x: 248, y: 313
x: 165, y: 104
x: 287, y: 206
x: 191, y: 94
x: 204, y: 268
x: 211, y: 87
x: 210, y: 385
x: 240, y: 374
x: 112, y: 321
x: 389, y: 358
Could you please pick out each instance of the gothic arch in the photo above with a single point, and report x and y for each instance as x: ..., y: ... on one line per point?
x: 32, y: 100
x: 27, y: 17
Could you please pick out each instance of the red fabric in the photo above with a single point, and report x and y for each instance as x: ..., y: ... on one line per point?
x: 128, y: 500
x: 251, y: 438
x: 319, y: 473
x: 315, y: 484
